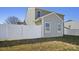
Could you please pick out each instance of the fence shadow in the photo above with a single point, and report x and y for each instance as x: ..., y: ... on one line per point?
x: 65, y: 38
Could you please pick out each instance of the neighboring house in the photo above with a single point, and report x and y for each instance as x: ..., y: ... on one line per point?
x: 52, y: 23
x: 71, y: 28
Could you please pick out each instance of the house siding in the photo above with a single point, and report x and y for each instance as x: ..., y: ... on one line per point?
x: 54, y: 21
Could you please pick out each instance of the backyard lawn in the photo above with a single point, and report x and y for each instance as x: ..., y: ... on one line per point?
x: 66, y: 43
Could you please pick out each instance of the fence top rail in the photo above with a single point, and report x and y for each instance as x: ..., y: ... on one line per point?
x: 19, y: 25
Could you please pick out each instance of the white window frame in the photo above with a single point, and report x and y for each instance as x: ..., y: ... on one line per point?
x: 59, y: 25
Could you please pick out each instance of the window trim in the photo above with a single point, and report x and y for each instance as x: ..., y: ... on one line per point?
x: 59, y: 27
x: 47, y: 31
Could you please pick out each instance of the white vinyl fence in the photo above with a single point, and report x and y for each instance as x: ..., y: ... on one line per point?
x: 16, y: 32
x: 72, y: 32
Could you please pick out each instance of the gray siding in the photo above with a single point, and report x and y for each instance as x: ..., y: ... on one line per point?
x: 54, y: 21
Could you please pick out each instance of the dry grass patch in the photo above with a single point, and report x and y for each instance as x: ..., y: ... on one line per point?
x: 43, y: 46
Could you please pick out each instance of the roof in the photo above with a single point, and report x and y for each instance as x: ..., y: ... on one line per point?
x: 48, y: 12
x: 47, y: 15
x: 42, y: 12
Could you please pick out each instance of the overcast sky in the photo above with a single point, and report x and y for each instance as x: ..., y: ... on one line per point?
x: 71, y: 13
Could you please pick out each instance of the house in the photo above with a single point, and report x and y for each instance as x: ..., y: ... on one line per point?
x: 52, y: 23
x: 71, y: 27
x: 39, y: 23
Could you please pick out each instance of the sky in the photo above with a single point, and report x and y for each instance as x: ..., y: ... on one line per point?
x: 70, y: 13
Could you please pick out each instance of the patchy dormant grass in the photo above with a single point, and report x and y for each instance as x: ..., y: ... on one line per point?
x: 66, y: 43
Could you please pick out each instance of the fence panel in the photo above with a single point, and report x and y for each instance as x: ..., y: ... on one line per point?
x: 16, y: 32
x: 72, y: 32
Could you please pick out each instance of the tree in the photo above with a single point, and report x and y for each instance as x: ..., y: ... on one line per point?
x: 12, y: 20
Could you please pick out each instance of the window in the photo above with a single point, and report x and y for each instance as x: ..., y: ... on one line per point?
x: 59, y: 27
x: 47, y: 27
x: 38, y: 15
